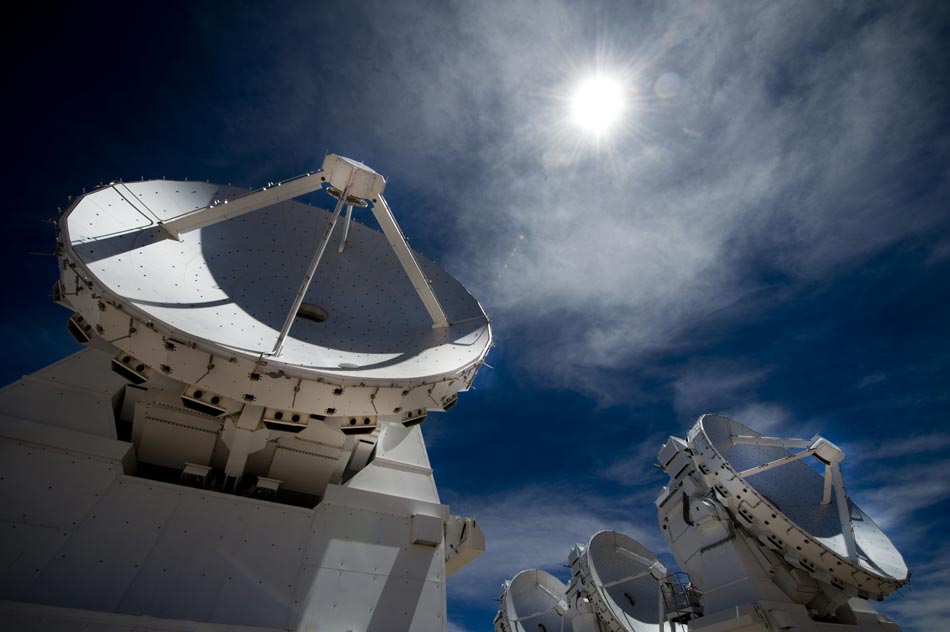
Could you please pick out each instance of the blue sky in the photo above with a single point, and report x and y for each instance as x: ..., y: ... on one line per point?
x: 765, y: 234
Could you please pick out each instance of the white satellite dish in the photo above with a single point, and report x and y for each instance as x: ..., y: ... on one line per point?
x: 532, y: 601
x: 276, y: 368
x: 186, y: 280
x: 620, y: 578
x: 776, y: 495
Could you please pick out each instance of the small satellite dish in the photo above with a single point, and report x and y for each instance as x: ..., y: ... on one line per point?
x: 532, y: 601
x: 256, y: 297
x: 621, y: 579
x: 775, y: 495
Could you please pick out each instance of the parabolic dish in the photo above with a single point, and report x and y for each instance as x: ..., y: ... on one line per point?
x: 622, y: 585
x: 533, y: 602
x: 229, y: 286
x: 785, y: 502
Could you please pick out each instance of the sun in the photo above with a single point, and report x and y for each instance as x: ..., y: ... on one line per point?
x: 597, y: 104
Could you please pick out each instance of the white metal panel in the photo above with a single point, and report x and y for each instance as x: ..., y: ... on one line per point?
x: 362, y: 572
x: 264, y: 567
x: 109, y: 212
x: 86, y: 370
x: 30, y: 617
x: 142, y: 547
x: 304, y: 466
x: 342, y: 600
x: 99, y: 561
x: 25, y: 550
x: 48, y: 487
x: 188, y: 564
x: 427, y: 530
x: 169, y: 438
x: 175, y: 198
x: 59, y: 405
x: 400, y: 467
x: 65, y: 440
x: 367, y: 541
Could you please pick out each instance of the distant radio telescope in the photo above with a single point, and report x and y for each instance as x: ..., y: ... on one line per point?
x: 766, y: 544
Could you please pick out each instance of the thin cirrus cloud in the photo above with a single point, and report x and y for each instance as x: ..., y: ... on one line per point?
x: 923, y: 605
x: 902, y: 484
x: 764, y: 147
x: 800, y: 146
x: 536, y: 526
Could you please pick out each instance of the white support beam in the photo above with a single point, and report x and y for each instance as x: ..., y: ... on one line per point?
x: 826, y: 492
x: 350, y: 179
x: 776, y: 463
x: 662, y: 607
x: 346, y: 228
x: 773, y: 441
x: 246, y: 203
x: 308, y: 275
x: 844, y: 512
x: 536, y: 613
x: 639, y: 559
x: 628, y: 578
x: 386, y: 221
x: 554, y: 596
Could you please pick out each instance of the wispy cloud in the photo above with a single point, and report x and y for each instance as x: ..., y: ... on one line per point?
x: 914, y: 446
x: 901, y: 483
x: 789, y: 168
x: 636, y: 468
x: 872, y: 378
x: 536, y: 527
x: 896, y: 494
x: 923, y: 604
x: 714, y: 385
x: 455, y: 627
x: 730, y: 388
x: 898, y: 480
x: 767, y: 418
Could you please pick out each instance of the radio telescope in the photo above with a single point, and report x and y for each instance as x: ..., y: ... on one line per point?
x: 532, y: 601
x: 767, y: 543
x: 615, y: 585
x: 766, y: 538
x: 239, y: 442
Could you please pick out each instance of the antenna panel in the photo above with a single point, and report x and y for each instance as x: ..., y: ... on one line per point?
x: 207, y: 308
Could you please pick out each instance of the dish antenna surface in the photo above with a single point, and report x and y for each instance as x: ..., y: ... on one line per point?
x: 620, y: 579
x: 532, y: 601
x: 272, y: 306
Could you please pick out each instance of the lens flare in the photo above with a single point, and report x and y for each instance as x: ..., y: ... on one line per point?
x: 597, y: 104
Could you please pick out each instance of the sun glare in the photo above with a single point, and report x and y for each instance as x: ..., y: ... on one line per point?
x: 597, y: 103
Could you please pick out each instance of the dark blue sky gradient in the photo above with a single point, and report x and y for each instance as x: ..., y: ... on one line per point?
x: 803, y: 161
